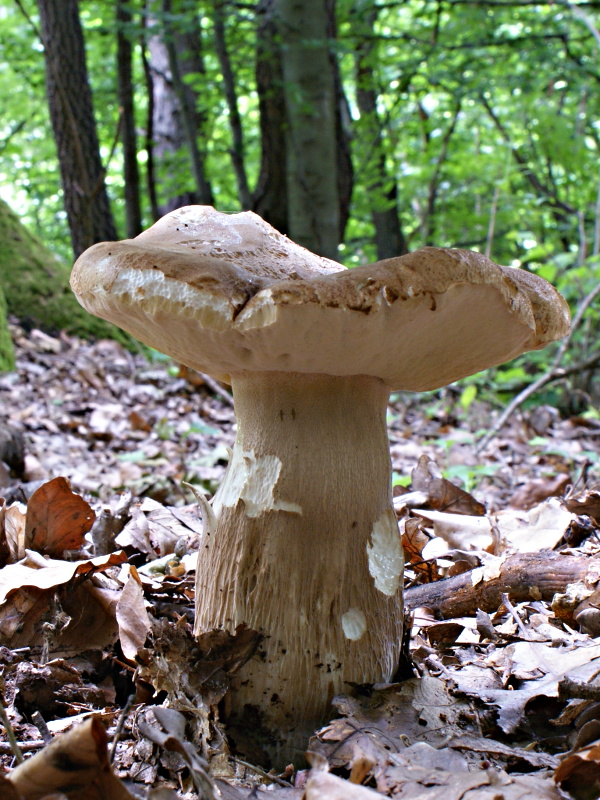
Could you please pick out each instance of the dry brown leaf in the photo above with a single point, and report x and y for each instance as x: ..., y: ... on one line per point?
x: 414, y: 540
x: 588, y: 502
x: 50, y: 573
x: 57, y: 519
x: 579, y: 773
x: 541, y: 667
x: 460, y: 531
x: 78, y: 618
x: 8, y: 791
x: 132, y: 617
x: 321, y: 785
x: 13, y: 530
x: 535, y: 491
x: 4, y: 549
x: 540, y: 528
x: 156, y: 530
x: 75, y: 763
x: 75, y: 619
x: 443, y: 495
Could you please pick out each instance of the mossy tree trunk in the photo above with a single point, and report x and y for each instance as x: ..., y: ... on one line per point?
x: 7, y: 353
x: 35, y: 285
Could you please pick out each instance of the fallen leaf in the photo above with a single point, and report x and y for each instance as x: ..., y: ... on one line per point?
x: 442, y: 494
x: 535, y: 491
x: 588, y: 502
x: 551, y: 664
x: 51, y: 573
x: 321, y: 785
x: 460, y: 531
x: 57, y: 519
x: 8, y: 791
x: 75, y: 763
x: 14, y: 530
x: 132, y: 617
x: 579, y: 773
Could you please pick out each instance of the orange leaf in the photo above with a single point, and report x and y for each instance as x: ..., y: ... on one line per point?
x: 57, y: 519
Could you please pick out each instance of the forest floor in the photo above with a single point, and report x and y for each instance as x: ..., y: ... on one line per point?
x: 501, y: 697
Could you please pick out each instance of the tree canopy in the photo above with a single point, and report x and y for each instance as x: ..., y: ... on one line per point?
x: 462, y: 123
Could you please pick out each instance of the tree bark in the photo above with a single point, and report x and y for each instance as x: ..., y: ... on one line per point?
x: 270, y: 197
x: 382, y: 187
x: 235, y: 121
x: 187, y: 106
x: 133, y: 211
x: 178, y: 124
x: 72, y: 115
x: 314, y: 218
x: 345, y: 169
x: 149, y: 133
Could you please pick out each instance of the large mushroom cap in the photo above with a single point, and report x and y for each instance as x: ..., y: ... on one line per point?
x: 226, y: 294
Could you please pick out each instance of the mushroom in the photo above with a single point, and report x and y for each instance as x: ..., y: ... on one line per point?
x: 306, y: 549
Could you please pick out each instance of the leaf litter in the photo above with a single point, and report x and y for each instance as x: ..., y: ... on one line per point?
x: 105, y: 460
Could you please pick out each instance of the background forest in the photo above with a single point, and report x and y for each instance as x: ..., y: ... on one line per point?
x: 361, y: 129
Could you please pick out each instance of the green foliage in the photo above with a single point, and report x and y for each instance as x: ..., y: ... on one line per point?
x: 7, y: 353
x: 487, y: 115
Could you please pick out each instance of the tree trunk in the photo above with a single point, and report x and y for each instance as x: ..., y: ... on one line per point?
x: 235, y: 122
x: 133, y: 212
x: 343, y: 116
x: 7, y: 353
x: 177, y: 122
x: 270, y: 199
x: 314, y: 218
x: 149, y: 132
x: 382, y: 187
x: 72, y: 114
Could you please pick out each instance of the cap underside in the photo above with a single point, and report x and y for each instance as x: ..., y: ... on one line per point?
x: 228, y: 294
x: 415, y: 343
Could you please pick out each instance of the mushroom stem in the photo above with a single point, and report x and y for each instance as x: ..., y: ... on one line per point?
x: 306, y: 549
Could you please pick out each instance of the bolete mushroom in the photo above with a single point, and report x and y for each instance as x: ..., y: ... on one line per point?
x: 306, y: 548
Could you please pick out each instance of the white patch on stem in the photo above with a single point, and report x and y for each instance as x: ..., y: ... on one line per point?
x: 253, y: 480
x: 354, y: 624
x: 386, y: 559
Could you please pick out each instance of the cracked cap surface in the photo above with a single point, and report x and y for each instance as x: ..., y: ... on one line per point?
x: 227, y: 293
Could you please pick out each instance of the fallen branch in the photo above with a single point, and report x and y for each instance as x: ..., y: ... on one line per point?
x: 554, y: 372
x: 524, y: 576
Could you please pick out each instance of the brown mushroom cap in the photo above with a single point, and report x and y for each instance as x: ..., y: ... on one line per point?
x: 226, y: 294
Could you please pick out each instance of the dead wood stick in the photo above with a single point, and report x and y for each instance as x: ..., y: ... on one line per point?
x: 525, y: 576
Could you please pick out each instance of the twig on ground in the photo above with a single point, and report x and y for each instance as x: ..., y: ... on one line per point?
x: 6, y: 748
x: 40, y: 724
x: 554, y: 372
x: 513, y: 612
x: 262, y: 772
x: 10, y: 735
x: 120, y: 725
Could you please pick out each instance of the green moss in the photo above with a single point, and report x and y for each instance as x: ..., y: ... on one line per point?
x: 7, y: 353
x: 36, y: 284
